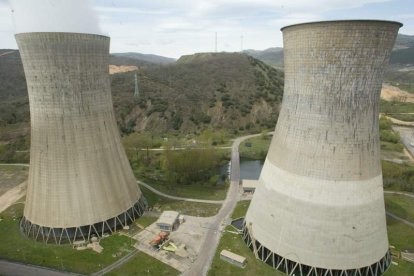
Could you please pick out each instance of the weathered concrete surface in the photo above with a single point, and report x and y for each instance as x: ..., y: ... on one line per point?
x: 79, y: 173
x: 320, y: 200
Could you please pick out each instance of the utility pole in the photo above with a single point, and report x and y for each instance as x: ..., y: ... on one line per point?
x: 241, y: 43
x: 136, y: 93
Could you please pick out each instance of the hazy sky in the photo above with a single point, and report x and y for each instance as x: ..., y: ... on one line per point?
x: 176, y: 27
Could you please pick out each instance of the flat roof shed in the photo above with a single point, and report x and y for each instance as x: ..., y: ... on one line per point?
x: 233, y: 258
x: 249, y: 185
x: 168, y: 220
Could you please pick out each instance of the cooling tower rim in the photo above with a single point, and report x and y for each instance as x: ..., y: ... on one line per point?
x: 344, y: 21
x: 68, y: 33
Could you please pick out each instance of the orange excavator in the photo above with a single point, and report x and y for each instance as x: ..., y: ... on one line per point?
x: 158, y: 240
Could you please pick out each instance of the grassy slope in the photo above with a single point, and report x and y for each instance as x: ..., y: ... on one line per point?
x: 401, y: 206
x: 257, y: 149
x: 196, y: 190
x: 396, y: 107
x: 184, y: 207
x: 142, y: 264
x: 234, y: 243
x: 15, y: 246
x: 402, y: 237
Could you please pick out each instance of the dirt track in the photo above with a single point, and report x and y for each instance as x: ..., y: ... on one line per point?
x: 12, y: 195
x: 115, y: 69
x: 392, y: 93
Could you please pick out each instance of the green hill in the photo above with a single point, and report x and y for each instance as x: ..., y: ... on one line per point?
x: 403, y: 57
x: 139, y: 59
x: 271, y: 56
x: 403, y: 53
x: 221, y: 90
x: 215, y: 90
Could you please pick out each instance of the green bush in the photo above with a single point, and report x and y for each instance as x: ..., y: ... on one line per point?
x: 401, y: 175
x: 390, y: 136
x: 177, y: 121
x: 385, y: 123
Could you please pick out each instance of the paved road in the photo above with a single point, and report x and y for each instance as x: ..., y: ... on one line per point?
x: 117, y: 264
x: 15, y: 164
x: 409, y: 223
x: 399, y: 193
x: 210, y: 243
x: 407, y: 137
x: 177, y: 197
x: 6, y: 53
x: 209, y: 247
x: 178, y: 148
x: 18, y: 269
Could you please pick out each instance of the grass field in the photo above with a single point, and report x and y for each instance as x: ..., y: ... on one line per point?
x: 396, y: 107
x: 184, y: 207
x: 196, y: 190
x: 142, y: 264
x: 402, y: 117
x: 146, y: 220
x: 234, y: 243
x: 255, y: 148
x: 240, y: 209
x: 401, y: 206
x: 15, y: 246
x: 402, y: 237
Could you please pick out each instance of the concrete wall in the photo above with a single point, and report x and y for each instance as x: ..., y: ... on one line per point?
x: 79, y: 173
x: 319, y: 200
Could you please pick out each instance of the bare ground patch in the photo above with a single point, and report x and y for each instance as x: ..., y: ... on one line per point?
x: 11, y: 176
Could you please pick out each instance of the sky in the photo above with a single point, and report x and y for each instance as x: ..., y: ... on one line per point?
x: 179, y: 27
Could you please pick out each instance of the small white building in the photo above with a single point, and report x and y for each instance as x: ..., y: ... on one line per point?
x: 249, y: 185
x: 233, y: 258
x: 168, y: 221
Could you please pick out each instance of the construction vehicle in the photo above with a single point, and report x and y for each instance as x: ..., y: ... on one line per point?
x: 159, y: 240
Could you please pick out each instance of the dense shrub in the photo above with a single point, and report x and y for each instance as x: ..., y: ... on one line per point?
x: 398, y: 174
x: 390, y: 136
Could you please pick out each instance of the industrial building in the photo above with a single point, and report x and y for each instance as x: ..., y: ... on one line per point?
x: 233, y: 258
x: 80, y: 180
x: 168, y: 221
x: 249, y: 185
x: 318, y: 208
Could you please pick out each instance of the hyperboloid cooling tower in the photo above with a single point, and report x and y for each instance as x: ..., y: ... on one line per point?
x: 319, y: 205
x: 80, y: 181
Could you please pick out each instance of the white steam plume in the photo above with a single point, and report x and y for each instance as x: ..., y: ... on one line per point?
x: 73, y: 16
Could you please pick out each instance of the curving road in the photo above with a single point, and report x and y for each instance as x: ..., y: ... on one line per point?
x: 116, y: 264
x: 7, y: 53
x: 15, y: 164
x: 409, y: 223
x: 209, y: 247
x: 212, y: 239
x: 177, y: 197
x: 399, y: 193
x: 407, y: 137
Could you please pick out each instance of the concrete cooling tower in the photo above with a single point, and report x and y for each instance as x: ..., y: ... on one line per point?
x: 80, y: 180
x: 319, y: 205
